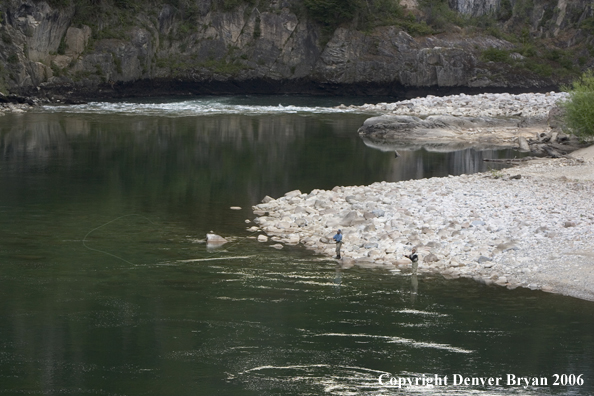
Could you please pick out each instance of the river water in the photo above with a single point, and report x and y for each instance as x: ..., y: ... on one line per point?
x: 107, y: 286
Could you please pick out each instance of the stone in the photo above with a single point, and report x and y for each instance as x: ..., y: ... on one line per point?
x: 61, y: 61
x: 378, y: 212
x: 267, y: 199
x: 291, y: 194
x: 235, y: 208
x: 277, y: 246
x: 293, y: 239
x: 300, y: 210
x: 523, y: 144
x: 430, y: 258
x: 369, y: 215
x: 262, y: 238
x: 76, y: 40
x: 214, y: 239
x: 283, y: 225
x: 369, y: 228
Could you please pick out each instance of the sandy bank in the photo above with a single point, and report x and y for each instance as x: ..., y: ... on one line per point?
x: 536, y: 231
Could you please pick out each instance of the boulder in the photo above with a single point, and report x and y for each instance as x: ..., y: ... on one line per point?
x: 214, y: 239
x: 291, y: 194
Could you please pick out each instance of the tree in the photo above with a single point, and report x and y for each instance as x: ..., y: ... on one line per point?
x: 579, y: 108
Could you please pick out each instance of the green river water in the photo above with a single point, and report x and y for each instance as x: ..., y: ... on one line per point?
x: 107, y: 286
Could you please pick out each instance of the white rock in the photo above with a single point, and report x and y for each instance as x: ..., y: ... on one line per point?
x: 214, y: 239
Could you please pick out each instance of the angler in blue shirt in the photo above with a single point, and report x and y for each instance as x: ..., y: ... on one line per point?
x: 338, y: 239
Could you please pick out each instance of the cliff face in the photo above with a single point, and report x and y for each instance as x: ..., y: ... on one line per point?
x: 46, y: 50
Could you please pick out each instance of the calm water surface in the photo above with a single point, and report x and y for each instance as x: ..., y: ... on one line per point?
x: 107, y: 287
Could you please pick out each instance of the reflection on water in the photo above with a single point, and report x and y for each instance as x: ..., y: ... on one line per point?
x: 414, y: 286
x: 107, y: 286
x: 236, y: 159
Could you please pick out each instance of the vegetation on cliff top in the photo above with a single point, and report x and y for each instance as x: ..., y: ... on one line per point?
x: 535, y: 49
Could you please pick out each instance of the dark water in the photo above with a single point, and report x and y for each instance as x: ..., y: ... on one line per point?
x: 107, y: 288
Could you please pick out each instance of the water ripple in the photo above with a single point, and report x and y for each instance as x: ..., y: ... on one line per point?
x: 211, y: 106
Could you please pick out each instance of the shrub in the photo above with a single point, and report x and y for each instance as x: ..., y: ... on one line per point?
x: 58, y: 3
x: 439, y: 15
x: 579, y: 108
x: 505, y: 10
x: 331, y: 13
x: 257, y: 28
x: 62, y: 46
x: 495, y: 55
x: 6, y: 38
x: 588, y: 25
x: 539, y: 67
x: 367, y: 13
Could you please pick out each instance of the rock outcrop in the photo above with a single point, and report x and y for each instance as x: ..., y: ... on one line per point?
x: 54, y: 52
x: 529, y: 122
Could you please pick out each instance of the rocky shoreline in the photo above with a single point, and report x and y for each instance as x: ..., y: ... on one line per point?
x: 16, y: 103
x: 497, y: 228
x: 529, y: 122
x: 534, y: 105
x: 529, y: 226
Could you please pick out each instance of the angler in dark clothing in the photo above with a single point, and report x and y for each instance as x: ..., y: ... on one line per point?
x: 414, y: 257
x: 338, y: 239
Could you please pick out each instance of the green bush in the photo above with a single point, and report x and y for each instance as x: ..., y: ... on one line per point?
x: 58, y: 3
x: 579, y: 108
x: 6, y: 38
x: 439, y: 15
x: 522, y: 9
x: 379, y: 13
x: 505, y: 10
x: 539, y: 67
x: 62, y: 46
x: 331, y: 13
x: 495, y: 55
x: 528, y: 50
x: 257, y: 28
x: 367, y: 13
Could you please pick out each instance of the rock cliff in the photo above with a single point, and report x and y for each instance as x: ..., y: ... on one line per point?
x: 59, y: 52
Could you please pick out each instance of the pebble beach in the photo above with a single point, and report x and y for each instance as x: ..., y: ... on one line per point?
x: 532, y: 105
x: 530, y: 226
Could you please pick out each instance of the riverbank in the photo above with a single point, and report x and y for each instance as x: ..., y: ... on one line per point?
x: 13, y: 108
x: 530, y: 226
x: 530, y: 122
